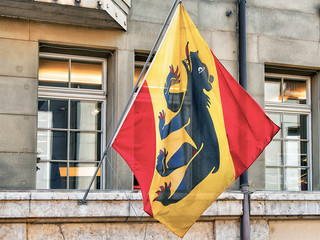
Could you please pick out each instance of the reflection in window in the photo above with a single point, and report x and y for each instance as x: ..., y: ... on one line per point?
x: 285, y: 90
x: 86, y: 75
x: 85, y: 115
x: 81, y: 173
x: 294, y: 91
x: 53, y: 72
x: 273, y: 90
x: 70, y: 73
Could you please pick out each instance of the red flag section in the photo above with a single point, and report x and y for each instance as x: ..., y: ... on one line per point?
x: 136, y: 142
x: 248, y: 128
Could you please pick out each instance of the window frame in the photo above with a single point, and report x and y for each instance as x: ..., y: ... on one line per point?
x: 80, y: 94
x: 293, y: 108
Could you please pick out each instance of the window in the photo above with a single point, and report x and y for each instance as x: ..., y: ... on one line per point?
x: 71, y: 103
x: 288, y: 158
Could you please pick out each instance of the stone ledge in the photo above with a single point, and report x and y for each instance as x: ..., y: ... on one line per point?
x: 29, y: 206
x: 93, y: 195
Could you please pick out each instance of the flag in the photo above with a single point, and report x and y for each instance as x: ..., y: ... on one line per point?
x: 192, y: 129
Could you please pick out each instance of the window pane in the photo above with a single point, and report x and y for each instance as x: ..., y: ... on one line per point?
x: 295, y: 153
x: 44, y: 145
x: 276, y: 118
x: 85, y: 146
x: 272, y: 90
x: 274, y: 178
x: 295, y: 126
x: 51, y: 176
x: 137, y: 72
x: 296, y: 179
x: 52, y: 145
x: 273, y: 154
x: 52, y: 113
x: 295, y: 91
x: 86, y: 75
x: 81, y: 175
x: 53, y: 72
x: 85, y: 115
x: 59, y: 145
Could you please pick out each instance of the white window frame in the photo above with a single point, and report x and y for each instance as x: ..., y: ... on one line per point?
x: 290, y: 108
x: 68, y: 93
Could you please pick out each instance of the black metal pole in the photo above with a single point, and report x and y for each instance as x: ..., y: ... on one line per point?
x: 244, y: 184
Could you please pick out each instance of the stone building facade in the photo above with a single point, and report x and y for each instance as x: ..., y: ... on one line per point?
x: 67, y: 69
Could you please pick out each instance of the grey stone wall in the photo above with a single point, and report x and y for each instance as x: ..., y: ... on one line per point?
x: 117, y: 215
x: 18, y: 105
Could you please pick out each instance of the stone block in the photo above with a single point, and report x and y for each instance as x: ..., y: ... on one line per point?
x: 13, y: 231
x: 18, y: 95
x: 213, y: 15
x: 14, y: 195
x: 309, y: 6
x: 259, y: 229
x: 85, y: 231
x: 150, y: 11
x: 222, y: 208
x: 45, y: 232
x: 227, y: 229
x: 20, y: 58
x: 253, y: 20
x: 252, y: 48
x: 115, y: 231
x: 192, y: 8
x: 14, y: 209
x: 14, y: 28
x: 124, y: 85
x: 285, y: 51
x: 231, y: 67
x: 257, y: 174
x: 235, y: 186
x: 142, y: 35
x: 288, y: 230
x: 59, y: 208
x: 125, y: 80
x: 18, y: 133
x: 77, y: 35
x: 284, y: 204
x: 136, y: 231
x: 255, y: 80
x: 207, y: 36
x: 136, y: 209
x: 315, y: 106
x: 289, y: 24
x: 157, y: 11
x: 17, y: 170
x: 201, y: 230
x: 224, y: 45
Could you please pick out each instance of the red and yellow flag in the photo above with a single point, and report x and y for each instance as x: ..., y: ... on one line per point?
x: 192, y: 129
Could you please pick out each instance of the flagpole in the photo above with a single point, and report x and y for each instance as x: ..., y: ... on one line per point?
x: 244, y: 184
x: 130, y: 101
